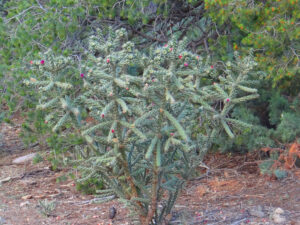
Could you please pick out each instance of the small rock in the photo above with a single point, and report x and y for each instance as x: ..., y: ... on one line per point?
x: 5, y: 180
x: 112, y: 213
x: 279, y: 219
x: 278, y: 211
x: 24, y: 158
x: 24, y: 203
x: 27, y: 197
x: 257, y: 212
x: 278, y: 216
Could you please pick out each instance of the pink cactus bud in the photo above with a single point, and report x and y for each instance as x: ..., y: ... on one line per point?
x: 31, y: 62
x: 212, y: 66
x: 102, y: 115
x: 227, y: 99
x: 180, y: 56
x: 81, y: 75
x: 108, y: 60
x: 42, y: 62
x: 172, y: 134
x: 112, y: 130
x: 186, y: 64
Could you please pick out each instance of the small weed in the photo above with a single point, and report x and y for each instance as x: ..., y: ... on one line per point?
x: 46, y: 207
x: 280, y: 160
x: 37, y: 159
x: 61, y: 179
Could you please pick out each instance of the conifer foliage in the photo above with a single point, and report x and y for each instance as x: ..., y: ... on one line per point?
x: 152, y: 113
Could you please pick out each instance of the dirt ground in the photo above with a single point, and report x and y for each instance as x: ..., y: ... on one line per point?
x: 232, y: 193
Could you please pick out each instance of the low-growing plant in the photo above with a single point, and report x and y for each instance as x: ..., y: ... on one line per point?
x: 268, y: 166
x: 37, y: 159
x: 46, y: 207
x: 281, y: 160
x: 146, y: 118
x: 61, y: 179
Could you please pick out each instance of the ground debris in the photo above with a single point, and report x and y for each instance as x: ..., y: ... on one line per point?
x: 257, y: 211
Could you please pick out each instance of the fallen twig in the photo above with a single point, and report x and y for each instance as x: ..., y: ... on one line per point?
x: 201, y: 177
x: 94, y: 200
x: 238, y: 221
x: 26, y: 174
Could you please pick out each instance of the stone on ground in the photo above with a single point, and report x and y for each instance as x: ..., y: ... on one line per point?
x: 24, y: 159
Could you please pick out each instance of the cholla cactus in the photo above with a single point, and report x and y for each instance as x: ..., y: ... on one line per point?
x: 217, y: 100
x: 57, y: 84
x: 142, y: 141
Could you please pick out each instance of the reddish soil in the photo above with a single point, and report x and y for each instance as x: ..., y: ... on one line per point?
x: 226, y: 195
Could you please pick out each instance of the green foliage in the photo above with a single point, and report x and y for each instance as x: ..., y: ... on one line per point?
x: 265, y: 167
x: 268, y: 166
x: 280, y: 174
x: 249, y: 139
x: 46, y: 207
x: 140, y: 139
x: 289, y: 127
x: 37, y: 159
x: 61, y: 179
x: 270, y: 27
x: 63, y: 147
x: 28, y: 27
x: 280, y: 123
x: 278, y: 105
x: 34, y: 128
x: 89, y: 186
